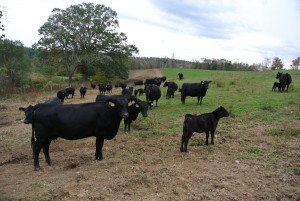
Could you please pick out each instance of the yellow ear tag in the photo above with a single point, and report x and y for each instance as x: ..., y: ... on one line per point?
x: 22, y: 112
x: 111, y: 104
x: 130, y: 104
x: 137, y: 106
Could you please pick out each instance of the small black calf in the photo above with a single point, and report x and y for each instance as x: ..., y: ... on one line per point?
x: 207, y: 122
x: 276, y: 85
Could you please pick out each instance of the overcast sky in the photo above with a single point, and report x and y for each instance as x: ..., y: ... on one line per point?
x: 243, y: 30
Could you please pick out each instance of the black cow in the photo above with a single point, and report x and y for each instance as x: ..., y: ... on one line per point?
x: 180, y: 76
x: 122, y: 85
x: 102, y: 88
x: 82, y: 92
x: 152, y: 93
x: 76, y: 121
x: 70, y: 91
x: 284, y: 80
x: 172, y: 87
x: 138, y: 82
x: 155, y: 81
x: 128, y: 91
x: 207, y: 122
x: 170, y: 93
x: 138, y: 91
x: 93, y: 85
x: 162, y: 79
x: 193, y: 90
x: 61, y: 95
x: 276, y: 85
x: 28, y: 110
x: 108, y: 88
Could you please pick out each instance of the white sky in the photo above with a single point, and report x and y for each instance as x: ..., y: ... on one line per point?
x: 243, y: 30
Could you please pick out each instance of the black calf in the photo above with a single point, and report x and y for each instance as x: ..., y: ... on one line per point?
x: 201, y: 123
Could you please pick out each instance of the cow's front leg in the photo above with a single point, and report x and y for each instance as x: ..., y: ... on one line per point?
x: 99, y: 145
x: 207, y: 136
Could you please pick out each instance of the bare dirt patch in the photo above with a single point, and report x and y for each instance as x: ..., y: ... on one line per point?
x: 246, y: 163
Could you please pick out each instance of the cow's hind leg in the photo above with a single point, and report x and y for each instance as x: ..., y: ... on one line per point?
x: 99, y: 145
x: 182, y: 141
x: 46, y: 151
x: 36, y: 151
x: 212, y: 137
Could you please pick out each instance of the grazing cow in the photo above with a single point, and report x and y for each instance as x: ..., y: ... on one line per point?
x: 284, y: 80
x: 77, y: 121
x: 152, y: 93
x: 82, y: 92
x: 276, y: 85
x: 172, y: 85
x: 128, y: 91
x: 108, y: 88
x: 155, y: 81
x: 61, y: 95
x: 193, y: 90
x: 28, y: 110
x: 207, y: 122
x: 138, y: 91
x: 93, y: 86
x: 180, y: 76
x: 102, y: 88
x: 122, y: 85
x: 162, y: 79
x: 70, y: 90
x: 170, y: 93
x: 138, y: 82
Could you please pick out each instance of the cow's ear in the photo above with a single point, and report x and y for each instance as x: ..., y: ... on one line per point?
x: 22, y: 109
x: 209, y: 81
x: 112, y: 104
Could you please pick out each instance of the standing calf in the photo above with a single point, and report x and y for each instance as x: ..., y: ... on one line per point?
x: 276, y: 85
x: 207, y: 122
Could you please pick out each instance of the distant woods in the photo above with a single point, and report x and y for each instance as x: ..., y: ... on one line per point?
x: 207, y: 64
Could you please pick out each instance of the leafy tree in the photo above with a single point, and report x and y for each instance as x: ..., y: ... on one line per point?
x: 276, y: 64
x: 83, y: 34
x: 296, y: 63
x: 14, y: 61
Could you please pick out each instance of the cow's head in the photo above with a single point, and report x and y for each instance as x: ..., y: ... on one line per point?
x: 278, y: 75
x: 205, y: 83
x: 144, y: 108
x: 121, y: 104
x: 28, y: 114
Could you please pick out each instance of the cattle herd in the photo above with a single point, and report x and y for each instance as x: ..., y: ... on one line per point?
x: 101, y: 119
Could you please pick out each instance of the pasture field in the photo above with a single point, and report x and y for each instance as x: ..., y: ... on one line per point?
x: 256, y: 155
